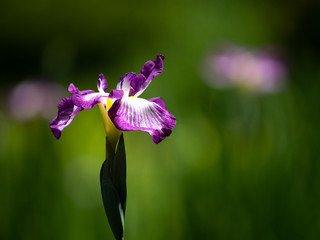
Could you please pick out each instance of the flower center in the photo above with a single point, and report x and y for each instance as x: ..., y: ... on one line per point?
x: 113, y: 134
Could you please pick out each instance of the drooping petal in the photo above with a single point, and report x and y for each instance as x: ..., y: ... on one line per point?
x: 159, y: 101
x: 88, y: 98
x: 102, y: 83
x: 87, y: 101
x: 73, y: 89
x: 70, y: 106
x: 67, y: 111
x: 130, y: 113
x: 134, y: 85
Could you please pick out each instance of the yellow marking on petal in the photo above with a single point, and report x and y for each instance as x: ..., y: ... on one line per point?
x: 104, y: 115
x: 113, y: 134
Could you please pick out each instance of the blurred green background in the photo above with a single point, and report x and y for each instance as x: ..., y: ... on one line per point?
x: 238, y: 165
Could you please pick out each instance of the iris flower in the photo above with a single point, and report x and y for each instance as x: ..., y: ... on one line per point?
x: 121, y: 108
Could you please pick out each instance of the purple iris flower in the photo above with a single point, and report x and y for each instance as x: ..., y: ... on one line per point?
x: 122, y: 105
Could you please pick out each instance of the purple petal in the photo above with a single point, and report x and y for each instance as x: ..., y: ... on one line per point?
x: 136, y: 84
x: 67, y: 111
x: 152, y: 68
x: 159, y: 101
x: 116, y: 94
x: 87, y: 101
x: 130, y: 113
x: 125, y: 82
x: 88, y: 98
x: 149, y: 70
x: 102, y: 83
x: 73, y: 89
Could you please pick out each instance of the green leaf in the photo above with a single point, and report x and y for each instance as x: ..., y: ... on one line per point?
x: 114, y: 187
x: 119, y: 172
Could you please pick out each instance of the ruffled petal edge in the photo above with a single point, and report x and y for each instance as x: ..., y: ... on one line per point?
x: 66, y: 113
x: 130, y: 113
x: 133, y: 84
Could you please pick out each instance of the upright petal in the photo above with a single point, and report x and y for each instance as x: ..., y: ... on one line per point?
x: 116, y: 94
x: 153, y: 68
x: 102, y: 83
x: 149, y: 70
x: 130, y: 113
x: 124, y: 83
x: 133, y: 84
x: 67, y: 111
x: 137, y: 85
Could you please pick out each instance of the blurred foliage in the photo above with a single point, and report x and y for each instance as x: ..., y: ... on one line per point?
x: 238, y: 165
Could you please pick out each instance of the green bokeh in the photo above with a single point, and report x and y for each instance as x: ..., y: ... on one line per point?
x: 237, y: 165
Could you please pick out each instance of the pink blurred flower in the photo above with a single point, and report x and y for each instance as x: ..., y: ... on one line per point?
x: 34, y: 98
x: 255, y: 70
